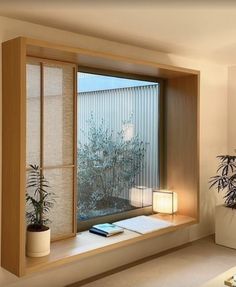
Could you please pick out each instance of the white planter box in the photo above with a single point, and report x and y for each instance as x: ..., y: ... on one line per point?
x: 225, y: 226
x: 38, y: 243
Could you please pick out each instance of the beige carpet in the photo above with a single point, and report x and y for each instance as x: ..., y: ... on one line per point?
x: 190, y: 266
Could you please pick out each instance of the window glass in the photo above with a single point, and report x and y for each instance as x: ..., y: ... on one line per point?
x: 117, y: 144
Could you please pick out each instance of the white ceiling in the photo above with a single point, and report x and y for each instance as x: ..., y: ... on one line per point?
x: 204, y: 29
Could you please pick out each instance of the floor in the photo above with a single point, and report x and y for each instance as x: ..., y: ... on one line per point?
x: 190, y: 266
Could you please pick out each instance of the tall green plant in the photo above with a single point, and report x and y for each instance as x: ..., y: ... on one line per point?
x: 107, y: 165
x: 225, y: 180
x: 39, y: 199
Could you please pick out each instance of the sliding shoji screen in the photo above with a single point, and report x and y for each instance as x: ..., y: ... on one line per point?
x: 51, y: 136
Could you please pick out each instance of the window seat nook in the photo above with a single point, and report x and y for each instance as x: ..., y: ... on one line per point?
x: 43, y: 99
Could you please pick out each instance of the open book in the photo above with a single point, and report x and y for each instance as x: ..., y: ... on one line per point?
x: 143, y: 224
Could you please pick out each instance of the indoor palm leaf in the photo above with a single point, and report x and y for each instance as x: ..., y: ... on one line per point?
x: 39, y: 199
x: 225, y: 180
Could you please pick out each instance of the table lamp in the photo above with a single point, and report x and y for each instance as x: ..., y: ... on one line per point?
x: 165, y: 201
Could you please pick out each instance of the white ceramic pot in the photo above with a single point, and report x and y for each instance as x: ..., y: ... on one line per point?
x: 38, y: 243
x: 225, y: 226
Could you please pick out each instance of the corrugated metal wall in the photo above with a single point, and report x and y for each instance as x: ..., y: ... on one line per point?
x: 136, y: 105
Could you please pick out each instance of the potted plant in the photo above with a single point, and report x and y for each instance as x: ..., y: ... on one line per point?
x: 39, y: 203
x: 225, y: 217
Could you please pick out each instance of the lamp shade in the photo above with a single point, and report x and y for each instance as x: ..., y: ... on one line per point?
x: 165, y: 201
x: 140, y: 196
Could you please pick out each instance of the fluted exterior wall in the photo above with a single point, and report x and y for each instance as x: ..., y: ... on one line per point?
x: 137, y: 106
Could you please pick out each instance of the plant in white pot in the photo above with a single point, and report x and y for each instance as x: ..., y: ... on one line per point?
x: 225, y: 216
x: 39, y: 202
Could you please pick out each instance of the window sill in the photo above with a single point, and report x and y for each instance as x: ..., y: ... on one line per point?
x: 86, y: 244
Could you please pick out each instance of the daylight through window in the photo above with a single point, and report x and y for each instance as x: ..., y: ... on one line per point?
x: 117, y: 144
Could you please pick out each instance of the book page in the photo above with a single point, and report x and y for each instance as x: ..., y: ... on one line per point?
x: 143, y: 224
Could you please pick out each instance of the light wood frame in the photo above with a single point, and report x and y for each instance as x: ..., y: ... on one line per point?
x: 181, y: 135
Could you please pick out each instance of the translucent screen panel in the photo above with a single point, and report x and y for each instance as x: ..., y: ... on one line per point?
x: 58, y: 115
x: 33, y: 114
x: 61, y: 215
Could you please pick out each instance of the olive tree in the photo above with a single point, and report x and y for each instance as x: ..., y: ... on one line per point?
x: 107, y: 165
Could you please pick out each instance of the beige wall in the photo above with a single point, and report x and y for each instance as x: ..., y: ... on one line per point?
x: 213, y: 141
x: 231, y: 110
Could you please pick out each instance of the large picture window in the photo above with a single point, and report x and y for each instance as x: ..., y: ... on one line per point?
x: 118, y: 144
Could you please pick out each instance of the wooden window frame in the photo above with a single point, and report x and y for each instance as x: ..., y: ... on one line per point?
x: 180, y: 152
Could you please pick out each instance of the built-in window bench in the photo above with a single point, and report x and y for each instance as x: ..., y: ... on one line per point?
x: 87, y: 244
